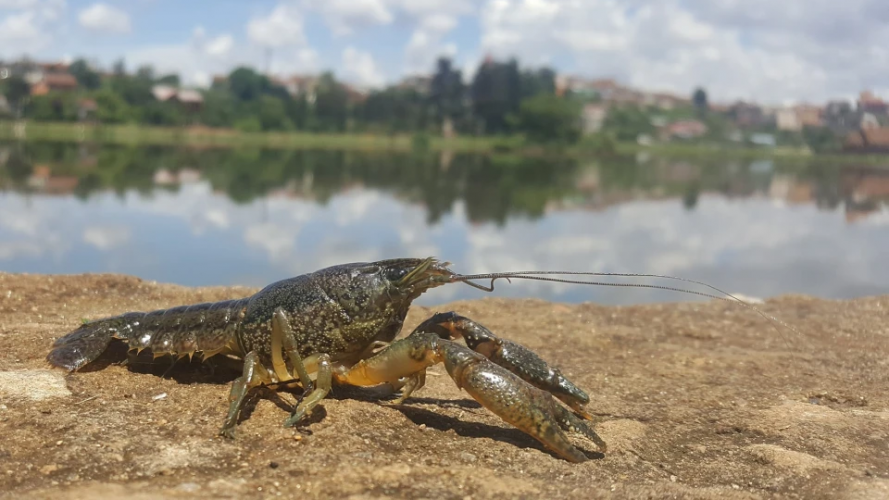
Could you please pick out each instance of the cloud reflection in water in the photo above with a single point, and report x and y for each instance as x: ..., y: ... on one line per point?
x: 761, y: 242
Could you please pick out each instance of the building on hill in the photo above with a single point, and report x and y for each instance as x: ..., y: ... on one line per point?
x: 422, y: 84
x: 870, y: 103
x: 749, y: 115
x: 297, y: 85
x: 794, y: 119
x: 593, y: 117
x: 841, y: 117
x: 683, y: 129
x: 54, y: 82
x: 868, y: 140
x: 190, y: 100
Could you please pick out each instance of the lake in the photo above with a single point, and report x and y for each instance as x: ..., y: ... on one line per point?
x: 250, y: 217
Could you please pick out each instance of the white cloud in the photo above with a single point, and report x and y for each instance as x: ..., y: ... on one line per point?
x: 277, y: 240
x: 51, y: 10
x: 104, y: 18
x: 204, y: 55
x: 424, y: 8
x: 30, y: 26
x: 763, y: 50
x: 106, y: 238
x: 345, y: 16
x: 753, y: 49
x: 17, y: 4
x: 425, y: 44
x: 197, y: 59
x: 10, y: 250
x: 282, y: 27
x: 438, y: 23
x: 220, y: 45
x: 19, y: 33
x: 302, y: 61
x: 360, y: 66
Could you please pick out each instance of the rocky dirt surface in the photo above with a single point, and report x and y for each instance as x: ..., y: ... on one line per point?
x: 696, y: 400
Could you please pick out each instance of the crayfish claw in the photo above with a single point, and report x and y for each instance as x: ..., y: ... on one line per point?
x: 517, y: 402
x: 516, y: 358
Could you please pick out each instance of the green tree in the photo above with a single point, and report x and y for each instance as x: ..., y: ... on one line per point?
x: 699, y: 99
x: 627, y: 123
x: 120, y: 68
x: 246, y: 84
x: 172, y: 80
x: 272, y: 114
x: 111, y: 108
x: 446, y: 92
x: 298, y: 111
x: 53, y: 107
x: 820, y: 139
x: 145, y: 72
x: 394, y: 110
x: 161, y: 113
x: 86, y: 77
x: 496, y: 94
x: 331, y: 104
x: 16, y: 90
x: 135, y: 91
x: 546, y: 118
x: 541, y: 81
x: 218, y: 109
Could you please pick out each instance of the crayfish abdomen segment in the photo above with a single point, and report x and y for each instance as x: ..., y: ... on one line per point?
x: 208, y: 328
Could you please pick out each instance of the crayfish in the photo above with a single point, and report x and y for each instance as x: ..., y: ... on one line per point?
x: 339, y: 326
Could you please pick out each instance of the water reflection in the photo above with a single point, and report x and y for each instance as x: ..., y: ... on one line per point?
x: 208, y: 217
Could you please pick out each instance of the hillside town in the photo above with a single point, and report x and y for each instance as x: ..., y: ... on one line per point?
x: 859, y: 126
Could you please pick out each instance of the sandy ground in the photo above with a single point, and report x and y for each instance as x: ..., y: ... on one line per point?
x: 696, y: 400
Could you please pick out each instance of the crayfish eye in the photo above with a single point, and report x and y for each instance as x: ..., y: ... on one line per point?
x: 397, y: 274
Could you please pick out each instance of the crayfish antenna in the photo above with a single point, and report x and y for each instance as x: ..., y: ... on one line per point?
x: 539, y: 276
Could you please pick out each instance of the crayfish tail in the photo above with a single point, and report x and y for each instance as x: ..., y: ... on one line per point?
x: 81, y: 346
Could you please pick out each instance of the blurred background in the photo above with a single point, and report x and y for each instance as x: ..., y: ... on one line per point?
x: 745, y: 144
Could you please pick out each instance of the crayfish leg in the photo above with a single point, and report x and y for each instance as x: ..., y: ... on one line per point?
x: 323, y: 382
x: 284, y: 342
x: 405, y: 358
x: 254, y: 375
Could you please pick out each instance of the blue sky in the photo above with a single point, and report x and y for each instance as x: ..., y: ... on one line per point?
x: 774, y: 52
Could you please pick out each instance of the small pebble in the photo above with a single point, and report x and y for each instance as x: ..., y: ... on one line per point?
x: 273, y: 465
x: 159, y: 397
x: 672, y: 479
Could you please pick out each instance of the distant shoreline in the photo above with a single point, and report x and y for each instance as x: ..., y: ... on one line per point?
x: 206, y: 137
x: 230, y: 138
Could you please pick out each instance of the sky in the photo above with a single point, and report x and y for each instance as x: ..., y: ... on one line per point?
x: 769, y: 51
